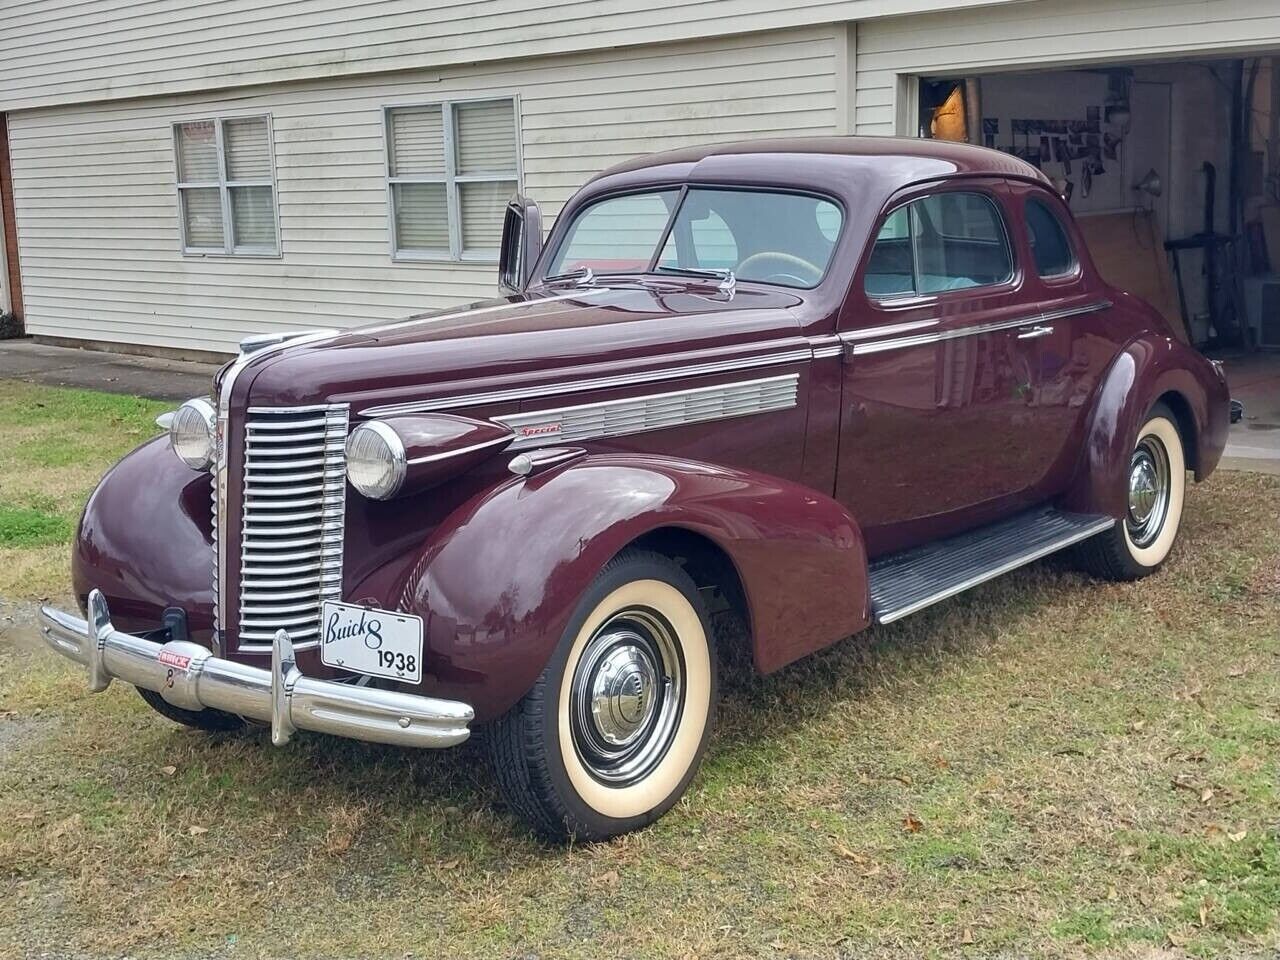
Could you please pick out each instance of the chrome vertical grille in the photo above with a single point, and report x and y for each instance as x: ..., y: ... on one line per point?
x: 294, y: 499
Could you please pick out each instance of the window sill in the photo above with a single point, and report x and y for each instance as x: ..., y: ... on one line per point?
x: 234, y: 255
x: 402, y: 256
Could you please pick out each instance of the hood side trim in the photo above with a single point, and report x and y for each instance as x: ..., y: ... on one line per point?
x: 597, y: 383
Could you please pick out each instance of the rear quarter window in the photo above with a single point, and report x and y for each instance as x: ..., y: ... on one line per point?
x: 1050, y: 246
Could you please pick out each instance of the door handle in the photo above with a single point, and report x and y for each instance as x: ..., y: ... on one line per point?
x: 1035, y: 332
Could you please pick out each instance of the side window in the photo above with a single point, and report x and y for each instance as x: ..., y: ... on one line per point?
x: 948, y: 241
x: 1049, y: 244
x: 960, y: 242
x: 890, y: 272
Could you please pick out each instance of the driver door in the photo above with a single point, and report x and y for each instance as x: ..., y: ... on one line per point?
x: 934, y: 427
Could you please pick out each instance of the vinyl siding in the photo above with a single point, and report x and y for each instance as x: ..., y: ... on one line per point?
x: 1045, y: 33
x: 75, y: 51
x: 98, y: 218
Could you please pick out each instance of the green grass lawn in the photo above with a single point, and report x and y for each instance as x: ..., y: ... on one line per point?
x: 54, y: 445
x: 1046, y: 766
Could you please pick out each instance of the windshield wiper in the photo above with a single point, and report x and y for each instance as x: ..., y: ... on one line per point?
x: 726, y: 277
x: 583, y: 275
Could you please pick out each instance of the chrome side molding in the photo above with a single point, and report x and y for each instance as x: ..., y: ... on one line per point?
x: 651, y: 411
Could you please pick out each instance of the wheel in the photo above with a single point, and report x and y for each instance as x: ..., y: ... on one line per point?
x: 212, y: 721
x: 1155, y: 484
x: 615, y: 727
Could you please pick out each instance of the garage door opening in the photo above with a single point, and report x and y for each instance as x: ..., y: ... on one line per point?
x: 1172, y: 169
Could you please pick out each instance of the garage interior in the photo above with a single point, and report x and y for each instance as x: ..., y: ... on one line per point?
x: 1172, y: 169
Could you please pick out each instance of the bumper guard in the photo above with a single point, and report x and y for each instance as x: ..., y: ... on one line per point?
x: 189, y: 676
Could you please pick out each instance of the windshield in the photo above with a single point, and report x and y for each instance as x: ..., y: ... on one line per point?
x: 780, y: 238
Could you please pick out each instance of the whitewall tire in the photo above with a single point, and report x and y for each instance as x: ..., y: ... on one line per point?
x: 616, y: 725
x: 1155, y: 488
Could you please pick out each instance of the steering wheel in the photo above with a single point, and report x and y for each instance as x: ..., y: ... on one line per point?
x: 785, y: 260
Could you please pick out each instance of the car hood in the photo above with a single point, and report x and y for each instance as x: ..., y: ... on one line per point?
x: 497, y: 347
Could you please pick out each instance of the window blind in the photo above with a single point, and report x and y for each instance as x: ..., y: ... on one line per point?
x: 248, y: 149
x: 202, y: 217
x: 417, y: 142
x: 197, y: 152
x: 422, y: 216
x: 486, y: 138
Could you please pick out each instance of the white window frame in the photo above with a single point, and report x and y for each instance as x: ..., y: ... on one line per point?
x: 224, y: 185
x: 451, y: 179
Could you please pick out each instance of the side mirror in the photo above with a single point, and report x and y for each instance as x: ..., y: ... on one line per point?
x: 521, y: 244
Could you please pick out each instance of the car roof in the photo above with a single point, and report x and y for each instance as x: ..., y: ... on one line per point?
x: 902, y: 159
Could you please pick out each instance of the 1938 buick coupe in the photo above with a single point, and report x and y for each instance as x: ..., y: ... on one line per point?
x: 820, y: 383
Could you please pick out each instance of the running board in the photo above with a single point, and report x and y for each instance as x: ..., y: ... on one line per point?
x: 903, y: 583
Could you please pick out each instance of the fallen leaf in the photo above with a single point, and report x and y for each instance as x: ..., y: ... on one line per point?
x: 1112, y: 893
x: 196, y: 831
x: 1206, y: 794
x: 1237, y: 837
x: 169, y: 771
x: 912, y: 824
x: 967, y: 936
x: 1138, y: 725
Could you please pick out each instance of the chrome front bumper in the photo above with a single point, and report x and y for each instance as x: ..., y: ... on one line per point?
x: 189, y: 676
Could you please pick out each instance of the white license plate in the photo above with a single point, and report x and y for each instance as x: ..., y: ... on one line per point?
x: 378, y: 643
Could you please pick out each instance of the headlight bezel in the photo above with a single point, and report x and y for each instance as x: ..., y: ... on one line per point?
x: 375, y: 441
x: 193, y: 433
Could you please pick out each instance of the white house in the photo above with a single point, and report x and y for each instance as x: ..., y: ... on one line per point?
x: 180, y: 175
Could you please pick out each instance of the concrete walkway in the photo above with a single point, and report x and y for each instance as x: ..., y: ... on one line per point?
x: 111, y: 372
x: 1254, y: 442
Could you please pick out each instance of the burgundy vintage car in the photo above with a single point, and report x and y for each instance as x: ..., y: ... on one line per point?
x: 820, y: 384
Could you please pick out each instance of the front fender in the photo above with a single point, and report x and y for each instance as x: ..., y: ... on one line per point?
x: 144, y: 541
x: 1149, y: 367
x: 497, y: 582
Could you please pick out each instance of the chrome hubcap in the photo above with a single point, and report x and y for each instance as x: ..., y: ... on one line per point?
x: 626, y: 696
x: 623, y: 692
x: 1149, y: 481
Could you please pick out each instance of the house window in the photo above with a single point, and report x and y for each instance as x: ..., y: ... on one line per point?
x: 226, y: 187
x: 451, y: 168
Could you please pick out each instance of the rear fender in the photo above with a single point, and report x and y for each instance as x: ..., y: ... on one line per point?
x: 497, y: 582
x: 1149, y: 367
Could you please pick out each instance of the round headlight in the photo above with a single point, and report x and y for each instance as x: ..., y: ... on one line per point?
x: 191, y: 433
x: 376, y: 460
